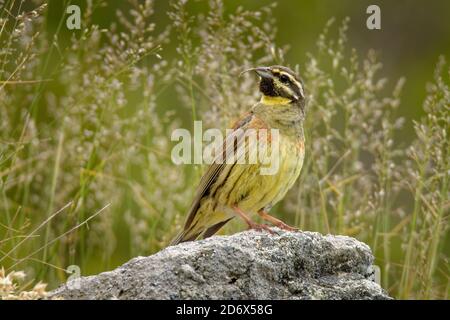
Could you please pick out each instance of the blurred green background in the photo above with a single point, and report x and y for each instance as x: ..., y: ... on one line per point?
x: 413, y: 33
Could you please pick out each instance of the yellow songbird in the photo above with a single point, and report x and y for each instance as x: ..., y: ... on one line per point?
x: 238, y: 188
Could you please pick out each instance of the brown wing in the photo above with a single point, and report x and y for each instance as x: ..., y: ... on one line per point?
x: 214, y: 170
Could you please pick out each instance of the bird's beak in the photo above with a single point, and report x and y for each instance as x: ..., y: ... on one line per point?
x: 263, y: 72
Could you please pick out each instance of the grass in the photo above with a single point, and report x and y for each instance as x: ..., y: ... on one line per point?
x: 86, y: 177
x: 10, y: 287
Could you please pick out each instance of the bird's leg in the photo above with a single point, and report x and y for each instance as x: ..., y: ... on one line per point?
x: 250, y: 223
x: 276, y: 222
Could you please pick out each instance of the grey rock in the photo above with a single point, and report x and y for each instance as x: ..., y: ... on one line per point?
x: 247, y: 265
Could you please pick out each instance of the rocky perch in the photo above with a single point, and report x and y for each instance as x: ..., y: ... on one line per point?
x: 247, y: 265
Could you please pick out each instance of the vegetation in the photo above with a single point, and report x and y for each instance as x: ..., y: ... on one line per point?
x: 86, y: 117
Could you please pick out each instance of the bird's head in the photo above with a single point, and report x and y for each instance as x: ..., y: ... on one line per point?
x: 279, y: 85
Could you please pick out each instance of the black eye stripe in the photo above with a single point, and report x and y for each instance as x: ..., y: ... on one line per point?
x: 282, y: 83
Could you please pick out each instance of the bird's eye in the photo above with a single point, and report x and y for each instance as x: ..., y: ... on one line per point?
x: 284, y: 78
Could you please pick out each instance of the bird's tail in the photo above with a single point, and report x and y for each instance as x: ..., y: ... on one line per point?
x: 192, y: 233
x: 178, y: 239
x: 186, y: 235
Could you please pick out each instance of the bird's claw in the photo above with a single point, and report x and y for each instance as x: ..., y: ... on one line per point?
x: 260, y: 227
x: 286, y: 227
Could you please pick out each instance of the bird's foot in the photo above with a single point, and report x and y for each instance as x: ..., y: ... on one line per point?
x: 285, y: 226
x: 250, y: 223
x: 276, y: 222
x: 260, y: 227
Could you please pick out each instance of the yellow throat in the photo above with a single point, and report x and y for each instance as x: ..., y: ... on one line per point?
x: 274, y: 100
